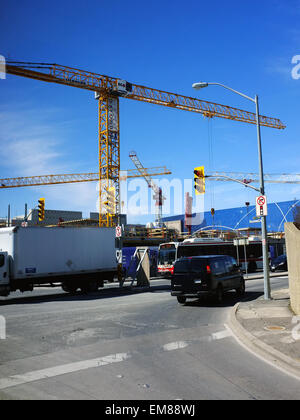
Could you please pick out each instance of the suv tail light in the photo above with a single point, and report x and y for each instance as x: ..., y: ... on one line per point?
x: 208, y: 269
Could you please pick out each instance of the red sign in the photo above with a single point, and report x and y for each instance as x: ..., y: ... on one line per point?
x: 261, y: 201
x: 261, y: 206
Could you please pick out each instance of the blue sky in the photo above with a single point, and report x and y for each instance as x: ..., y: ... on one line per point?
x: 168, y: 45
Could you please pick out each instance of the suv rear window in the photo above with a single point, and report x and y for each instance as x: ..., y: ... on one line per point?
x: 182, y: 266
x: 198, y: 265
x: 218, y: 266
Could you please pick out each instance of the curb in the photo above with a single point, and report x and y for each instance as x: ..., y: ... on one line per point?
x: 261, y: 349
x: 261, y: 276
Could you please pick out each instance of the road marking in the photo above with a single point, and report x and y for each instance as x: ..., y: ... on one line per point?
x: 62, y: 370
x: 221, y: 334
x: 175, y: 346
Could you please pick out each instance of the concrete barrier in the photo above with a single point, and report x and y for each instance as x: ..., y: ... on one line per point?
x: 292, y: 237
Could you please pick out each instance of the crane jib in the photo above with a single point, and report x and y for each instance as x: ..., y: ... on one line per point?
x: 109, y: 85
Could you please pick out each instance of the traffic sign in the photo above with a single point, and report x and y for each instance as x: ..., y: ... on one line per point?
x: 119, y: 256
x: 118, y: 231
x: 261, y: 200
x: 243, y: 241
x: 261, y: 206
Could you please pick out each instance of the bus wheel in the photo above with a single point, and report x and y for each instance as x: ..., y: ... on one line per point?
x: 181, y: 299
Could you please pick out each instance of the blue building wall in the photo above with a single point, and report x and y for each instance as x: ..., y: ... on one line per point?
x: 243, y: 217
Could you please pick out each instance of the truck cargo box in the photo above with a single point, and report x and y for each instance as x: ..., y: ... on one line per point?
x: 35, y: 252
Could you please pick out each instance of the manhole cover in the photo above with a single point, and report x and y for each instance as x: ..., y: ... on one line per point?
x: 274, y: 328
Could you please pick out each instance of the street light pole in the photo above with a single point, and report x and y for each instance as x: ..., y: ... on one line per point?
x: 265, y: 251
x: 267, y: 286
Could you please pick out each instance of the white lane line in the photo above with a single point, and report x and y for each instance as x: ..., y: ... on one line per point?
x: 61, y: 370
x: 221, y: 334
x: 175, y: 346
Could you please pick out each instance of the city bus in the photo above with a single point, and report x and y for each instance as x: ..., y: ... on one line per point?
x: 248, y: 255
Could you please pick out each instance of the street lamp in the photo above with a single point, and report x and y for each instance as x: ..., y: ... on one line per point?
x: 267, y: 288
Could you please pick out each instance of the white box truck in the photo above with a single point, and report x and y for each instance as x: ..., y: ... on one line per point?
x: 77, y: 258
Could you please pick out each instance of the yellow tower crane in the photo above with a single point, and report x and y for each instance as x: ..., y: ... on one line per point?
x: 108, y: 90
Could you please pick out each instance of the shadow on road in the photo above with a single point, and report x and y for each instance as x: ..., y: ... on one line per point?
x: 230, y: 299
x: 106, y: 293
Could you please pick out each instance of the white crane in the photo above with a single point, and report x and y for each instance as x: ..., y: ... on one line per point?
x: 249, y: 177
x: 158, y: 197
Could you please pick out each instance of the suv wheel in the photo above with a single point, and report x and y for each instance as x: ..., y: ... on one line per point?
x: 181, y: 299
x: 240, y: 291
x: 219, y: 294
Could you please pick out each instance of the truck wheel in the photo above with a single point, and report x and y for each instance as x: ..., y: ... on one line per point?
x: 219, y: 294
x: 110, y: 278
x: 93, y: 286
x: 181, y: 299
x: 85, y: 288
x: 69, y: 288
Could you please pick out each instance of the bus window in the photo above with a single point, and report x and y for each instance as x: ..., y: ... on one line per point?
x: 166, y: 256
x: 196, y: 250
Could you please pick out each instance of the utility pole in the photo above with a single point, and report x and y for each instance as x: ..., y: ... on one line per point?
x: 8, y: 216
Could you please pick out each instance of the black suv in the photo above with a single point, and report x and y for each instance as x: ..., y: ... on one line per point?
x: 210, y: 274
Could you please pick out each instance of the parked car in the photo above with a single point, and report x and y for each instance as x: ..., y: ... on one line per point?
x: 279, y: 263
x: 210, y: 274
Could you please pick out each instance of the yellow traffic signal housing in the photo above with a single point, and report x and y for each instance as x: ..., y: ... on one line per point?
x: 199, y: 180
x: 41, y: 211
x: 110, y: 202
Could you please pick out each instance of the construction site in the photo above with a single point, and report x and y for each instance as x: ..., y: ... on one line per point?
x: 226, y: 225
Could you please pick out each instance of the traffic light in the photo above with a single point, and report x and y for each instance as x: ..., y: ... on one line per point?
x: 110, y: 202
x: 199, y: 180
x: 41, y: 211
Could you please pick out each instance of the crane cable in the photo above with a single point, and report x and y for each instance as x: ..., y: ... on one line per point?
x: 211, y: 159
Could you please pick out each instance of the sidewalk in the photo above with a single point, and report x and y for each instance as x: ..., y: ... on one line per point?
x: 269, y: 329
x: 260, y: 275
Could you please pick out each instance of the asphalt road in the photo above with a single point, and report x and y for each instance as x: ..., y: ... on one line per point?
x: 120, y: 345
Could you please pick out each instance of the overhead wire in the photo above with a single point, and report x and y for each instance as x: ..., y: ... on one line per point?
x: 211, y: 159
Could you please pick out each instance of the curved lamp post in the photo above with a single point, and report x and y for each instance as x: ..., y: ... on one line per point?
x: 267, y: 287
